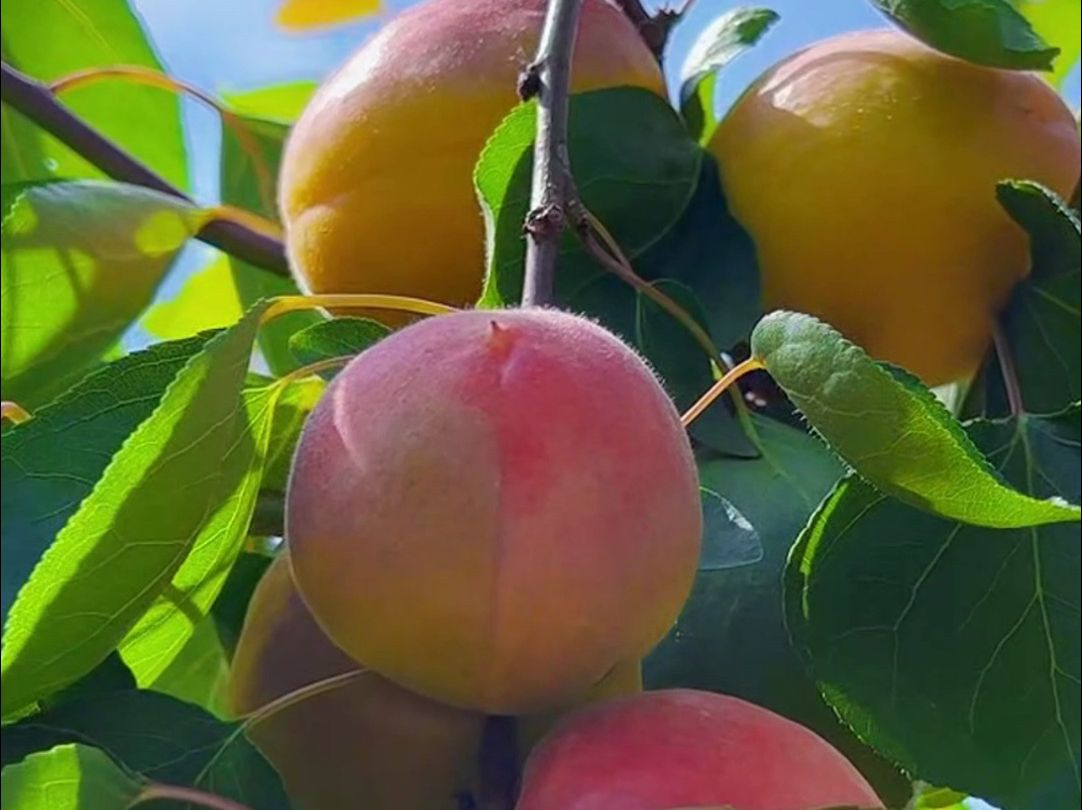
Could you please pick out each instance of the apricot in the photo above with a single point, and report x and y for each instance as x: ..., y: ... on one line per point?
x: 495, y: 508
x: 376, y: 188
x: 864, y: 168
x: 368, y: 743
x: 681, y: 747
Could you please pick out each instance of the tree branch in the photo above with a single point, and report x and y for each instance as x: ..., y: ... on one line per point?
x: 549, y: 78
x: 1009, y: 372
x: 34, y: 100
x: 653, y: 28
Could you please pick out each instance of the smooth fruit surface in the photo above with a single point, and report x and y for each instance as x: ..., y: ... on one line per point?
x: 494, y: 508
x: 681, y: 747
x: 366, y: 743
x: 865, y: 167
x: 376, y: 187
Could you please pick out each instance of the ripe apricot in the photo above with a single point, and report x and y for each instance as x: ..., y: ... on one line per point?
x: 495, y: 508
x: 366, y: 743
x: 864, y: 167
x: 681, y: 747
x: 376, y: 186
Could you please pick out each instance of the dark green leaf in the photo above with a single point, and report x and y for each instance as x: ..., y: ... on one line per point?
x: 730, y: 637
x: 1059, y: 23
x: 232, y: 603
x: 685, y: 368
x: 708, y: 252
x: 177, y: 473
x: 111, y: 675
x: 635, y: 168
x: 67, y: 777
x: 717, y: 45
x: 962, y: 663
x: 81, y: 260
x: 729, y: 541
x: 160, y: 737
x: 890, y: 428
x: 987, y: 32
x: 1042, y: 325
x: 49, y: 39
x: 51, y: 463
x: 338, y: 337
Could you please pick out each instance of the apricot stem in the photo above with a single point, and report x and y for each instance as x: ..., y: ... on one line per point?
x: 400, y: 303
x: 551, y: 187
x: 156, y: 791
x: 283, y: 702
x: 137, y: 74
x: 34, y: 100
x: 1008, y: 371
x: 718, y: 388
x: 13, y: 412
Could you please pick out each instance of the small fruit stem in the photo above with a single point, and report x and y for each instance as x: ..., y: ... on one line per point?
x: 156, y: 791
x: 1009, y: 372
x: 294, y: 303
x: 549, y: 78
x: 718, y: 388
x: 268, y: 710
x: 13, y: 412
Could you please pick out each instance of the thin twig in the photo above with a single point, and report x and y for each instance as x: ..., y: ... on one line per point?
x: 156, y: 791
x: 1009, y: 372
x: 549, y: 79
x: 34, y: 100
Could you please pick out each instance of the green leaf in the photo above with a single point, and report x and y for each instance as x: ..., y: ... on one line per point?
x: 338, y: 337
x: 281, y: 103
x: 708, y: 252
x: 207, y: 300
x: 684, y: 366
x: 68, y: 777
x: 295, y: 402
x: 232, y: 604
x: 49, y: 39
x: 162, y: 738
x: 52, y: 462
x: 730, y: 637
x: 247, y: 172
x: 729, y: 540
x: 80, y: 260
x: 163, y: 631
x: 962, y: 663
x: 1058, y: 22
x: 987, y: 32
x: 199, y: 670
x: 890, y: 428
x: 137, y: 526
x: 635, y: 168
x: 1042, y: 325
x: 718, y: 44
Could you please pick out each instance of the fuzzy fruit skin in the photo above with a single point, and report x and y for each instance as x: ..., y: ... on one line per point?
x: 493, y: 508
x: 376, y: 187
x: 864, y: 168
x: 682, y: 747
x: 368, y: 743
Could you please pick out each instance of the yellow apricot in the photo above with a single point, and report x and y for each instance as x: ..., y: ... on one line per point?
x: 494, y: 508
x: 376, y: 186
x: 366, y: 743
x: 864, y: 167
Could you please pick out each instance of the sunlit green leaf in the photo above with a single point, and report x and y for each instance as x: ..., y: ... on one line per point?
x: 68, y: 777
x: 137, y: 526
x: 207, y: 300
x: 50, y: 39
x: 80, y: 261
x: 890, y: 428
